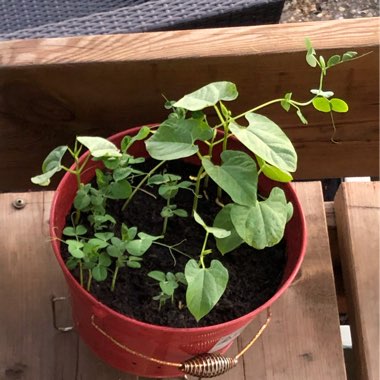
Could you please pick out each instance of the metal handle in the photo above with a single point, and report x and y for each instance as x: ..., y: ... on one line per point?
x: 54, y: 300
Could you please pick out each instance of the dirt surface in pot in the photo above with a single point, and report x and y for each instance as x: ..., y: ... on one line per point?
x: 254, y: 276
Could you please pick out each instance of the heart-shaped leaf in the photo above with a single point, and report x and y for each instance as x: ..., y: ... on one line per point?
x: 208, y: 96
x: 75, y: 248
x: 175, y: 138
x: 50, y: 166
x: 99, y: 273
x: 262, y: 225
x: 223, y: 220
x: 237, y: 176
x: 205, y: 286
x: 267, y: 140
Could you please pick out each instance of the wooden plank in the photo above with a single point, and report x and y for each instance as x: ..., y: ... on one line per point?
x: 335, y: 257
x: 357, y: 209
x: 303, y: 340
x: 53, y: 89
x: 184, y: 44
x: 30, y: 347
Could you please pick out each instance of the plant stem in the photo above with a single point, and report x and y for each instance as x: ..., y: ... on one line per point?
x: 141, y: 184
x: 165, y: 225
x: 201, y: 260
x: 89, y: 280
x: 197, y: 188
x: 114, y: 278
x: 80, y: 273
x: 172, y: 247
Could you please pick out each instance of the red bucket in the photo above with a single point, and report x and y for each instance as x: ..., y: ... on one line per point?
x: 163, y: 343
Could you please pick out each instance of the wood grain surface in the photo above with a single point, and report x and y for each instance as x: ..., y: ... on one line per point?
x: 303, y: 341
x: 54, y: 89
x: 357, y: 209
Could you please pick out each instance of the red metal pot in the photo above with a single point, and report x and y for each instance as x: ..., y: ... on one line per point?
x: 164, y: 343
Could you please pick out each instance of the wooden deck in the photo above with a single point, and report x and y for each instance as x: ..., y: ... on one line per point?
x: 302, y: 343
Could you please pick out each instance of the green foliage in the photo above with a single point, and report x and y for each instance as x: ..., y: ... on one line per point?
x: 168, y: 283
x: 208, y: 96
x: 99, y: 248
x: 50, y: 166
x: 205, y: 286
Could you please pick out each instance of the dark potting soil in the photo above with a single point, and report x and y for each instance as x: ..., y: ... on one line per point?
x: 254, y: 276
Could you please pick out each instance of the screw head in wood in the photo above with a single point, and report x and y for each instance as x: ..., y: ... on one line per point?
x: 19, y: 203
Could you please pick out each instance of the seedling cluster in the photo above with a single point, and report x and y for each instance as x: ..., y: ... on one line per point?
x: 99, y: 248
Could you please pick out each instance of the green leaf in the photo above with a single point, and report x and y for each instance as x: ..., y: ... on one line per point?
x: 311, y: 59
x: 217, y: 232
x: 99, y: 273
x: 138, y: 247
x: 157, y: 275
x: 105, y: 236
x: 166, y: 212
x: 322, y: 104
x: 223, y: 220
x: 121, y: 173
x: 99, y: 147
x: 125, y: 143
x: 333, y: 60
x: 262, y: 225
x: 208, y: 96
x: 285, y: 103
x: 237, y: 176
x: 82, y: 199
x: 119, y: 190
x: 53, y: 160
x: 114, y: 251
x: 180, y: 212
x: 272, y: 172
x: 50, y: 166
x: 168, y: 287
x: 205, y: 287
x: 141, y: 135
x: 104, y: 260
x: 75, y: 248
x: 80, y: 229
x: 69, y: 231
x: 323, y: 64
x: 133, y: 264
x: 266, y: 139
x: 338, y: 105
x: 128, y: 233
x: 349, y: 55
x: 180, y: 277
x: 308, y: 44
x: 72, y: 263
x: 175, y: 138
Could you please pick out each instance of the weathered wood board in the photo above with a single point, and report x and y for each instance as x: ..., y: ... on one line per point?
x: 357, y: 210
x: 53, y: 89
x: 302, y: 342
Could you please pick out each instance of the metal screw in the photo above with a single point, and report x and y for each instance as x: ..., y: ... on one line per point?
x: 18, y: 203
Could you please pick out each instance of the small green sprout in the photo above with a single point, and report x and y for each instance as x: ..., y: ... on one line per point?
x: 168, y: 283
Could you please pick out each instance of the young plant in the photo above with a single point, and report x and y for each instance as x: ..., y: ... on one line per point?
x: 168, y: 283
x: 245, y: 216
x: 169, y: 185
